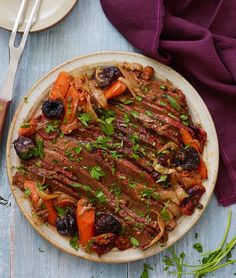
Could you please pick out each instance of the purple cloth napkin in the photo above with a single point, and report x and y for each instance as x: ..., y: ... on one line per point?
x: 198, y: 39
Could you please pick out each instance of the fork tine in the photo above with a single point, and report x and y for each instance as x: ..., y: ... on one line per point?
x: 17, y: 22
x: 29, y: 23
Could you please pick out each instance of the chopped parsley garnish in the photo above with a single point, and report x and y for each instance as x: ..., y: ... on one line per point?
x: 27, y: 192
x: 78, y: 149
x: 134, y: 138
x: 115, y: 155
x: 162, y: 87
x: 139, y: 98
x: 25, y: 124
x: 198, y: 247
x: 116, y: 190
x: 134, y: 242
x: 148, y: 113
x: 101, y: 198
x: 122, y: 177
x: 132, y: 184
x: 74, y: 242
x: 196, y: 235
x: 146, y: 267
x: 62, y: 211
x: 162, y: 103
x: 41, y: 250
x: 162, y: 178
x: 107, y: 128
x: 96, y: 172
x: 51, y: 127
x: 128, y: 101
x: 25, y: 99
x: 183, y: 117
x: 85, y: 118
x: 126, y: 118
x: 164, y: 213
x: 80, y: 185
x: 173, y: 102
x: 113, y: 170
x: 135, y: 114
x: 38, y: 150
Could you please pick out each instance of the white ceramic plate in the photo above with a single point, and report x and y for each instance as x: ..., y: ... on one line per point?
x: 51, y: 12
x: 199, y: 113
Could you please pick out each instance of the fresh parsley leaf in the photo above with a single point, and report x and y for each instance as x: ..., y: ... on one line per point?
x: 96, y: 172
x: 41, y: 250
x: 74, y: 242
x: 134, y: 242
x: 198, y: 247
x: 85, y: 118
x: 196, y: 235
x: 146, y: 267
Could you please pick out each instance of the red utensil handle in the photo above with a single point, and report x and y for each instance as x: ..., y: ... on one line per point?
x: 4, y: 104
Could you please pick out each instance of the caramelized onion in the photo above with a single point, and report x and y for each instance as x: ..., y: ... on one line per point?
x: 161, y: 169
x: 97, y: 94
x: 161, y: 224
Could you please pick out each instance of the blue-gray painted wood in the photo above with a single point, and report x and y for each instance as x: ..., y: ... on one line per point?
x: 85, y: 30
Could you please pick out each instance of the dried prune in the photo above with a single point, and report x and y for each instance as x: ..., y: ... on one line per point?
x: 67, y: 225
x: 187, y: 158
x: 53, y: 109
x: 105, y: 76
x: 107, y: 223
x: 24, y: 147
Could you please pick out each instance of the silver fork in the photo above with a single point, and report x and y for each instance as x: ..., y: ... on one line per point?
x: 15, y: 55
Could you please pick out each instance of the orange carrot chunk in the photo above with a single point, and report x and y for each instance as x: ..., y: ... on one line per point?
x: 202, y: 169
x: 85, y: 217
x: 31, y: 186
x: 115, y: 89
x: 52, y: 214
x: 28, y: 129
x: 61, y: 86
x: 188, y: 139
x: 71, y: 104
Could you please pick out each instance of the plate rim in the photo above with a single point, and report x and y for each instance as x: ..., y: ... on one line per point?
x: 34, y: 30
x: 8, y: 149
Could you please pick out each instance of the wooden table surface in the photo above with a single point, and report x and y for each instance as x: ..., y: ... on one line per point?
x: 84, y: 30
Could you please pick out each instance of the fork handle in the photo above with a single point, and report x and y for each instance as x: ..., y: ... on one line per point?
x: 4, y: 104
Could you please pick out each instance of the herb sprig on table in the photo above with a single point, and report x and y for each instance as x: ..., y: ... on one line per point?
x: 211, y: 261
